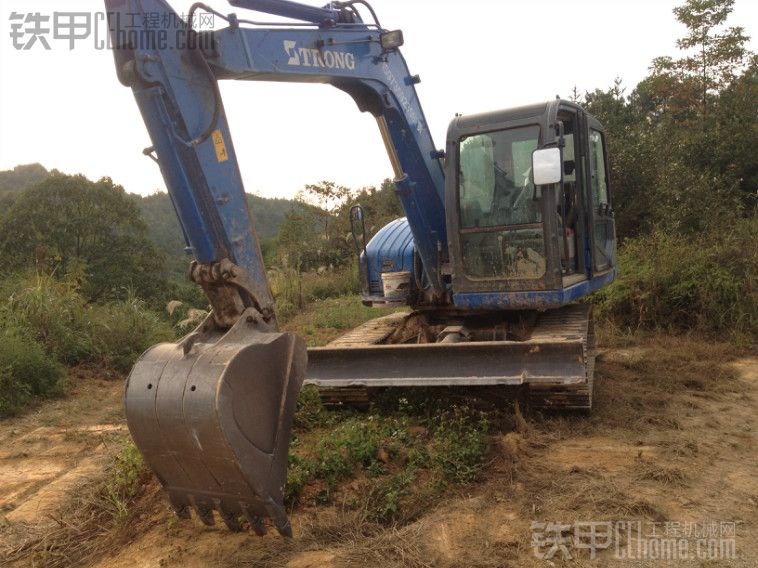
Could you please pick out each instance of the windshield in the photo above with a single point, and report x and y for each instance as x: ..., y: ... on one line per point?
x: 495, y: 179
x: 501, y: 233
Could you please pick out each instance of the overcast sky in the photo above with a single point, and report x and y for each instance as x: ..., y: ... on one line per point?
x: 65, y: 108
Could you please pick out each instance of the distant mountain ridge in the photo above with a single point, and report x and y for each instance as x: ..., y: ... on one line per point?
x: 13, y: 182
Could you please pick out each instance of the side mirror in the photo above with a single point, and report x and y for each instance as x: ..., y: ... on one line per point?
x: 546, y: 166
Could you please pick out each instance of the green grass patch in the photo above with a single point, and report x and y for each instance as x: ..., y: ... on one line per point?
x: 323, y: 321
x: 391, y: 463
x: 126, y: 474
x: 295, y: 290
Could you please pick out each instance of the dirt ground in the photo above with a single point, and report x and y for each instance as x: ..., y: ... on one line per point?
x: 671, y: 445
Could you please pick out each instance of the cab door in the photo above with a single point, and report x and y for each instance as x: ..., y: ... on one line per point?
x: 602, y: 224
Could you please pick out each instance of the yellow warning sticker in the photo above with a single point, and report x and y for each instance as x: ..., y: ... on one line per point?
x: 218, y: 144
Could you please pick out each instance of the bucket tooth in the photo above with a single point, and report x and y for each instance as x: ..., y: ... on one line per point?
x: 212, y: 415
x: 205, y: 514
x: 282, y: 523
x: 255, y: 522
x: 230, y: 518
x: 180, y: 506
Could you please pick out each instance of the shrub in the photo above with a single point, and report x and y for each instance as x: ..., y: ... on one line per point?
x: 293, y: 289
x: 705, y: 282
x: 25, y: 371
x: 124, y: 482
x: 51, y: 312
x: 331, y: 283
x: 54, y: 316
x: 123, y: 330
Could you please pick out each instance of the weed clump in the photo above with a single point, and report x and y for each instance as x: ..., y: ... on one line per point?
x: 458, y: 443
x: 678, y: 282
x: 26, y: 370
x: 124, y: 481
x: 390, y: 464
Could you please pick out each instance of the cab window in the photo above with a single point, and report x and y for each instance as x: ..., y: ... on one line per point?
x: 597, y: 170
x: 495, y: 179
x: 501, y: 233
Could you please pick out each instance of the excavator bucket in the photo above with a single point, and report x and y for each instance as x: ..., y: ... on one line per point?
x: 212, y: 416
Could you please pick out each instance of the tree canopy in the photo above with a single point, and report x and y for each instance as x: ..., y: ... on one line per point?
x: 71, y: 225
x: 682, y: 143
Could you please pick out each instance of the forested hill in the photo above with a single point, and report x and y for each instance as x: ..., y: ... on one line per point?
x: 164, y: 230
x: 14, y: 181
x: 157, y: 211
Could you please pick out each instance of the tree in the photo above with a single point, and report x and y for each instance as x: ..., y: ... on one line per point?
x: 717, y: 53
x: 315, y: 236
x: 299, y: 242
x: 71, y: 225
x: 681, y: 144
x: 736, y: 135
x: 631, y: 156
x: 327, y: 196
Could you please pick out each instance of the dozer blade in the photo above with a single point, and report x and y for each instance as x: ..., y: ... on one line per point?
x: 212, y: 416
x: 556, y: 362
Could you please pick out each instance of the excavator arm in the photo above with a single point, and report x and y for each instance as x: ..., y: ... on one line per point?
x: 212, y: 413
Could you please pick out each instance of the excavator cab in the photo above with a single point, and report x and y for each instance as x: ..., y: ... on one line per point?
x: 516, y: 243
x: 529, y: 230
x: 513, y: 244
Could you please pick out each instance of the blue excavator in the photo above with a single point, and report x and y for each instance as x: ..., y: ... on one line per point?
x: 504, y: 229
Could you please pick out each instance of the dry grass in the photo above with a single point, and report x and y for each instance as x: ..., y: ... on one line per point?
x: 666, y: 475
x: 92, y: 521
x: 81, y: 532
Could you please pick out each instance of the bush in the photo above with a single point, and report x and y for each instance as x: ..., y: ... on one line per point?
x: 51, y: 312
x: 332, y: 283
x: 54, y: 314
x: 25, y: 371
x: 122, y: 331
x: 704, y: 282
